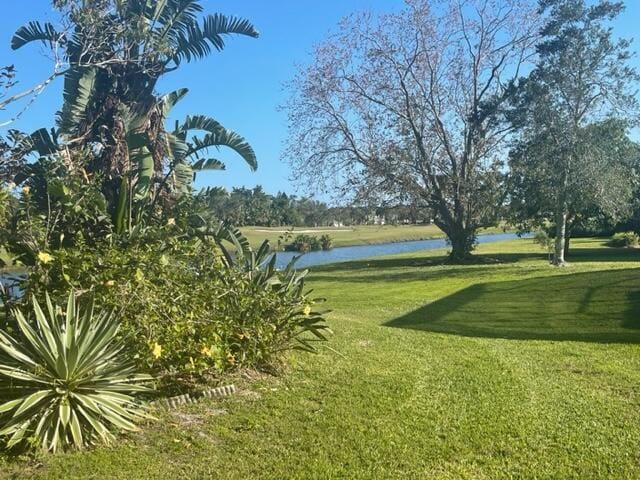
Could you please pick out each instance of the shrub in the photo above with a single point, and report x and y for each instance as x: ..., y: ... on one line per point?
x: 625, y: 239
x: 190, y: 309
x: 295, y: 317
x: 543, y: 239
x: 325, y: 242
x: 309, y: 243
x: 65, y: 380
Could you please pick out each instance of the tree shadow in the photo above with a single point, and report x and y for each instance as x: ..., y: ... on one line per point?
x: 600, y: 307
x: 410, y: 268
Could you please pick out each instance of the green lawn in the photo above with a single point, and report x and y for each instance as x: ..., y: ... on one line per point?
x: 509, y: 369
x: 356, y: 235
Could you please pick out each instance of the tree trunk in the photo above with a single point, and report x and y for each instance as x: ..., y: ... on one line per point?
x: 561, y: 218
x: 561, y: 228
x: 567, y: 236
x: 461, y: 245
x: 567, y: 240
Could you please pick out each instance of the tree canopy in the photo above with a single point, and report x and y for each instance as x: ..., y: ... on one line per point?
x: 412, y: 103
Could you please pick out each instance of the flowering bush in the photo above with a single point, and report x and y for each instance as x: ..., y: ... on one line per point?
x: 189, y: 311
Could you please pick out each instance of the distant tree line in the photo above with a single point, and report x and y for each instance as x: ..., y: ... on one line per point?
x: 253, y: 206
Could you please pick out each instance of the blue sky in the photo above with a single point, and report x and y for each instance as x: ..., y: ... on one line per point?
x: 241, y: 87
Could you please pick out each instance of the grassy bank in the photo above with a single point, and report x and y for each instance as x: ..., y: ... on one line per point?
x: 498, y: 370
x: 355, y: 235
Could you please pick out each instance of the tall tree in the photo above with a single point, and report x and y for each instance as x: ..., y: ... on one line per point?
x: 113, y: 54
x: 601, y: 183
x: 573, y: 111
x: 411, y: 104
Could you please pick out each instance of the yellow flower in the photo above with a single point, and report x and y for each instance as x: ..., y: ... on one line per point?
x: 110, y: 283
x: 171, y: 222
x: 139, y: 276
x: 45, y: 257
x: 207, y: 352
x: 231, y: 359
x: 306, y: 310
x: 156, y: 351
x: 26, y: 189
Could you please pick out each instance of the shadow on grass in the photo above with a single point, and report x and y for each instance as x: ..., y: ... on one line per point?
x: 409, y: 268
x: 577, y: 255
x: 601, y: 307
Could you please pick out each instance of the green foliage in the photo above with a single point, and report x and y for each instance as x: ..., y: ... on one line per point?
x: 625, y: 239
x: 116, y: 53
x: 189, y: 309
x: 326, y: 242
x: 309, y: 243
x: 574, y: 158
x: 65, y: 379
x: 57, y: 207
x: 545, y: 241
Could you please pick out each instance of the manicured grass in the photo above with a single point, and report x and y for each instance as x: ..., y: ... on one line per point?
x: 508, y: 369
x: 356, y: 235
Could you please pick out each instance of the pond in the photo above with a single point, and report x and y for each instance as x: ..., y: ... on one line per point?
x: 342, y: 254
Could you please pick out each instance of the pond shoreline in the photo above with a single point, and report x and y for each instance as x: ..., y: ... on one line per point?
x: 358, y: 252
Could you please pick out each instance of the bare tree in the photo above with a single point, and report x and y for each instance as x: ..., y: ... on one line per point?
x: 411, y: 103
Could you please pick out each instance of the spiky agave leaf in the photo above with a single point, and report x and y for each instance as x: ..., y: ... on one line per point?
x: 65, y: 380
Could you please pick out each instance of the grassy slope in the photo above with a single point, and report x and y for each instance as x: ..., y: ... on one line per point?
x: 357, y: 235
x: 509, y: 370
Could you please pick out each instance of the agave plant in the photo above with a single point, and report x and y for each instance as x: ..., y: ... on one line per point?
x: 64, y: 379
x: 302, y: 324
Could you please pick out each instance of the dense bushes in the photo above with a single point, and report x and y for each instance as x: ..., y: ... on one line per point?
x: 186, y: 308
x: 189, y: 311
x: 309, y: 243
x: 625, y: 239
x: 102, y: 206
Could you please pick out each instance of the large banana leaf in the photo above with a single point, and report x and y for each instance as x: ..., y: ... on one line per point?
x: 217, y: 136
x: 79, y: 85
x: 183, y: 177
x: 170, y: 100
x: 42, y: 141
x: 143, y: 161
x: 208, y: 164
x: 195, y: 41
x: 224, y: 138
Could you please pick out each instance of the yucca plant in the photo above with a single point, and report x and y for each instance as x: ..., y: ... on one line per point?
x: 64, y: 379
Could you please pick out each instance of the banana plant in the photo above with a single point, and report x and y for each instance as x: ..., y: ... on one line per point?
x: 114, y: 58
x: 188, y: 155
x: 65, y: 378
x: 117, y: 54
